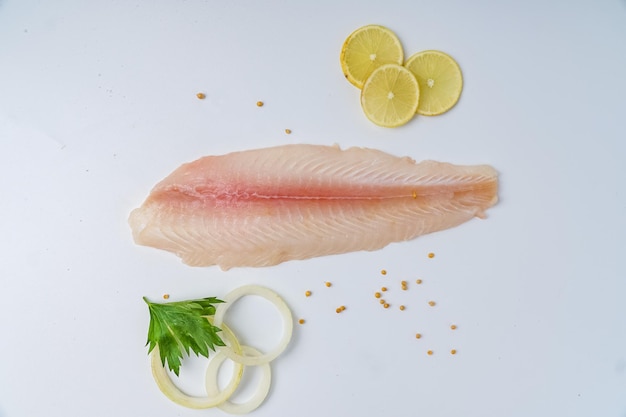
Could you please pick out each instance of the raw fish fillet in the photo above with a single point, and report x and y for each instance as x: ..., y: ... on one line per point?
x: 267, y: 206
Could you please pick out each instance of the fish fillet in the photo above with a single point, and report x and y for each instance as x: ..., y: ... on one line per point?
x: 266, y: 206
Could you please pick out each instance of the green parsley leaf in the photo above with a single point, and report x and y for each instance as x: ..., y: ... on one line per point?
x: 182, y: 326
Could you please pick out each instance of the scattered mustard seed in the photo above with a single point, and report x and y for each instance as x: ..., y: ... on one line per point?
x: 453, y: 327
x: 201, y: 96
x: 301, y: 321
x: 338, y: 310
x: 382, y: 301
x: 453, y: 352
x: 383, y: 289
x: 288, y: 131
x: 342, y: 308
x: 402, y: 307
x: 431, y: 303
x: 431, y: 255
x: 418, y: 335
x: 259, y: 104
x: 418, y: 281
x: 166, y: 296
x: 430, y: 352
x: 308, y: 293
x: 386, y: 305
x: 377, y: 294
x: 328, y: 284
x: 383, y: 272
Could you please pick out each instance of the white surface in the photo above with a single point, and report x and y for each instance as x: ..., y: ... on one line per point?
x: 97, y: 103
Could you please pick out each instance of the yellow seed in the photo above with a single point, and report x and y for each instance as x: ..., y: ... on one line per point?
x: 453, y: 351
x: 259, y: 103
x: 386, y: 305
x: 431, y: 303
x: 383, y: 289
x: 383, y: 272
x: 201, y: 96
x: 402, y: 307
x: 308, y: 293
x: 339, y: 309
x: 430, y: 352
x: 328, y: 284
x: 166, y: 296
x: 342, y: 308
x: 418, y: 281
x: 431, y: 255
x: 418, y: 335
x: 377, y: 294
x: 453, y: 327
x: 301, y: 321
x: 288, y: 131
x: 382, y: 301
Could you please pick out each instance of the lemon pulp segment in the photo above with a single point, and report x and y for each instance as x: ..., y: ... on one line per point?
x: 390, y: 96
x: 366, y: 49
x: 440, y: 81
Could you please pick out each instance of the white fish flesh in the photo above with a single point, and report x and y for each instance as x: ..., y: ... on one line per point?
x: 266, y: 206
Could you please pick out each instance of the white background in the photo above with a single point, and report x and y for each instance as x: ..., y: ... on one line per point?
x: 97, y: 104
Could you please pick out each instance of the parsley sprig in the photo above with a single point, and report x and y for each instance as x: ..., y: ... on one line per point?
x: 181, y: 326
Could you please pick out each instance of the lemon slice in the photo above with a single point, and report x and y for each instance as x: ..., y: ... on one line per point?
x: 390, y: 96
x: 366, y: 49
x: 440, y: 80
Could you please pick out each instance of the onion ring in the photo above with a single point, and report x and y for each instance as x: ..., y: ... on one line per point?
x: 283, y: 309
x: 259, y: 395
x: 171, y: 391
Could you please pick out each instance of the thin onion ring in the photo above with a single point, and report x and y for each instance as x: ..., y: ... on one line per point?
x: 283, y: 309
x: 259, y: 395
x: 175, y: 394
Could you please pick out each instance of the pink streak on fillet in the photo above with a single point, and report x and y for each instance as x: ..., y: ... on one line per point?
x: 266, y: 206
